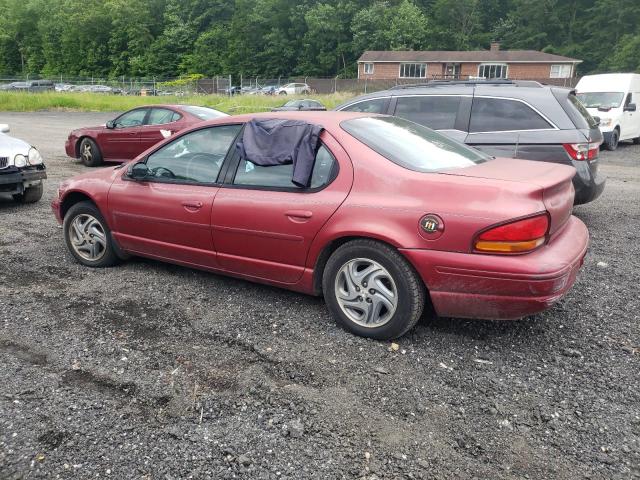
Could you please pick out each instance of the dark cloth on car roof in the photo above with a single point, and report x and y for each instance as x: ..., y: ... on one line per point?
x: 267, y: 142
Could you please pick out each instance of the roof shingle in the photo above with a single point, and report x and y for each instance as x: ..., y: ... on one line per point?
x: 507, y: 56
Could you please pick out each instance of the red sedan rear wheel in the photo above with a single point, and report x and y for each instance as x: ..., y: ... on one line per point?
x: 372, y: 290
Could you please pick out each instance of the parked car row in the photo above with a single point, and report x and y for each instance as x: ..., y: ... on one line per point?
x: 29, y: 86
x: 288, y: 89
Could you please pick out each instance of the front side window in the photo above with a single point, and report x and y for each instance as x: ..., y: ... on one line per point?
x: 410, y: 145
x: 436, y: 112
x: 368, y: 68
x: 492, y: 71
x: 413, y: 70
x: 501, y: 114
x: 134, y: 118
x: 560, y: 71
x: 279, y: 176
x: 195, y: 157
x: 378, y: 105
x: 160, y: 116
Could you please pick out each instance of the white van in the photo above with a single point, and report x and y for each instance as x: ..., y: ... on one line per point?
x: 613, y: 98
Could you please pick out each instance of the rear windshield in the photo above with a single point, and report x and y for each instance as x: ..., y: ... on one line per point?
x: 410, y: 145
x: 203, y: 113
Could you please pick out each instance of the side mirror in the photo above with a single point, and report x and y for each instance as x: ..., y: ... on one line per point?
x: 300, y: 107
x: 110, y: 124
x: 4, y: 128
x: 630, y: 108
x: 139, y: 171
x: 597, y: 120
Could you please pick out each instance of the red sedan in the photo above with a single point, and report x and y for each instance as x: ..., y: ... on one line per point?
x: 396, y: 216
x: 131, y: 133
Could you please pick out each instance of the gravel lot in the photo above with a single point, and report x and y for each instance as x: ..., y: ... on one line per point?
x: 153, y: 371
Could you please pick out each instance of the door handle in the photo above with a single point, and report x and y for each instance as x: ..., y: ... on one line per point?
x: 192, y: 205
x: 299, y: 214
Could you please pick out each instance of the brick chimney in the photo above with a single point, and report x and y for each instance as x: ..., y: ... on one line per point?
x: 495, y: 46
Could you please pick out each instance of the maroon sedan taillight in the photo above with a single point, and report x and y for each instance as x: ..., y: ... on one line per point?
x: 519, y: 236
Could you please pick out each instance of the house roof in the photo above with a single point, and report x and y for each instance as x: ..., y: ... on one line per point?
x: 504, y: 56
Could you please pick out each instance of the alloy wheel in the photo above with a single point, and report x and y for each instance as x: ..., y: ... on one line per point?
x: 88, y: 237
x: 366, y: 292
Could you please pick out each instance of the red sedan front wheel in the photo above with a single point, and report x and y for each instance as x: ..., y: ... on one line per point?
x: 372, y: 290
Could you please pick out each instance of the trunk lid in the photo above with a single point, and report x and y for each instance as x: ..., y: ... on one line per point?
x: 550, y: 182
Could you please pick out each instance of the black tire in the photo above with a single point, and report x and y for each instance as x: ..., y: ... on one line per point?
x: 612, y: 143
x: 31, y: 194
x: 411, y: 292
x: 109, y: 256
x: 282, y: 93
x: 90, y: 153
x: 636, y: 141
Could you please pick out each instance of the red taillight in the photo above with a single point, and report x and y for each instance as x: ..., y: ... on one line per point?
x: 582, y: 151
x: 515, y: 237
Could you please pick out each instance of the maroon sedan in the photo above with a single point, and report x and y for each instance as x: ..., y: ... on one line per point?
x: 133, y: 132
x: 396, y: 217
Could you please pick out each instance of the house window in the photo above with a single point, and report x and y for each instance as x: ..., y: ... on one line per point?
x: 368, y: 68
x: 560, y: 71
x: 492, y: 70
x: 452, y: 70
x: 413, y: 70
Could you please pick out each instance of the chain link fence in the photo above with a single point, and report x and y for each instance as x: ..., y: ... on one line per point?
x: 219, y: 85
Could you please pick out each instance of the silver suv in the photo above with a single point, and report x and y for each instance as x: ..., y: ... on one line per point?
x: 518, y: 119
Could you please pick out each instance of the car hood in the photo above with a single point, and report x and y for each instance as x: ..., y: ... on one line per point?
x: 80, y: 131
x: 11, y: 146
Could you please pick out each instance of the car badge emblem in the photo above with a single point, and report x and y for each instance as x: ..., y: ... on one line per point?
x: 430, y: 224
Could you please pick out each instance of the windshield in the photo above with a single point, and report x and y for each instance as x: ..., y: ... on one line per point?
x: 601, y: 99
x: 410, y: 145
x: 203, y: 113
x: 291, y: 103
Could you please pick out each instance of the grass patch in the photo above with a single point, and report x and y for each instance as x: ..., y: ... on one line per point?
x: 94, y: 102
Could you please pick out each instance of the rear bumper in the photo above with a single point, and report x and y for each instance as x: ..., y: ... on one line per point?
x: 502, y: 287
x: 588, y: 182
x: 55, y: 208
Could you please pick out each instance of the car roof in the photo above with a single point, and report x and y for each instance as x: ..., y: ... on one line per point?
x: 535, y: 94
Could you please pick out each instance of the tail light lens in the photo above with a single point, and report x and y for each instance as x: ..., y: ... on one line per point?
x: 519, y: 236
x: 582, y: 151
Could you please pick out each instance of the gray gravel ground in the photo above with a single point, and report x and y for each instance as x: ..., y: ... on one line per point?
x: 153, y: 371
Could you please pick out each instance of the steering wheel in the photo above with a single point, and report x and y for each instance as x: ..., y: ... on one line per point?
x: 162, y: 172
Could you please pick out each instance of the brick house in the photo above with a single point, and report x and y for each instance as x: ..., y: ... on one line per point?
x: 492, y: 63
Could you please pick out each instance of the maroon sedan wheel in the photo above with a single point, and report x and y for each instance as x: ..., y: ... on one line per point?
x: 90, y: 153
x: 372, y: 290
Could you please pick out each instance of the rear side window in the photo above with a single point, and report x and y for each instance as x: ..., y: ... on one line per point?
x: 279, y: 176
x: 576, y: 110
x: 501, y: 114
x: 410, y: 145
x: 378, y: 105
x: 160, y: 116
x: 437, y: 112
